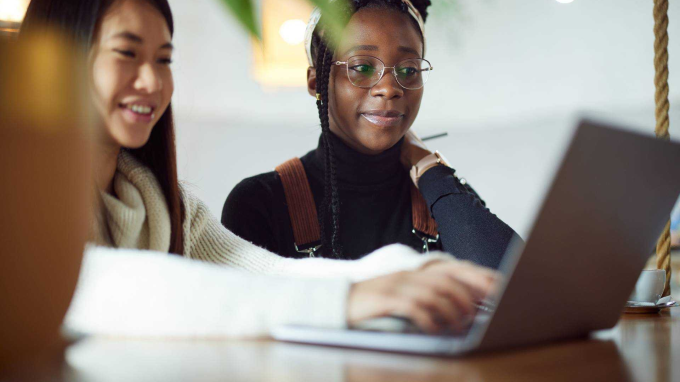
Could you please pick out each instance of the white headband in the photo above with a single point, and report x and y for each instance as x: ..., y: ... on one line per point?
x: 316, y: 16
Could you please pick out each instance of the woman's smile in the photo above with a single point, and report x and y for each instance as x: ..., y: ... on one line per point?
x: 383, y: 118
x: 138, y: 111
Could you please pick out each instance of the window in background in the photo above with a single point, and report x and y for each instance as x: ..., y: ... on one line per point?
x: 280, y: 59
x: 675, y: 227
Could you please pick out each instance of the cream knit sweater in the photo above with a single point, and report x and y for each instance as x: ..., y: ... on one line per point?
x: 144, y: 292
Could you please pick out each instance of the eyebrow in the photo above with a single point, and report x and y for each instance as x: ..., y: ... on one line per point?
x: 406, y: 49
x: 138, y: 40
x: 373, y: 48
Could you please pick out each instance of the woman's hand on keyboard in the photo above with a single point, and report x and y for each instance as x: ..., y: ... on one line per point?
x: 439, y: 296
x: 482, y: 282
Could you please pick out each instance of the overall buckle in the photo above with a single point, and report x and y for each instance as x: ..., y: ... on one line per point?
x: 309, y: 249
x: 426, y: 239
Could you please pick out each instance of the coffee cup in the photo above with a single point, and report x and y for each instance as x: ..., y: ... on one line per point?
x: 649, y: 286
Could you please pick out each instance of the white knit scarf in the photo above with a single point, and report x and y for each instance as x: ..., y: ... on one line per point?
x: 137, y: 216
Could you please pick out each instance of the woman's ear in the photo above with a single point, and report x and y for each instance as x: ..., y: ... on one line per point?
x: 311, y: 81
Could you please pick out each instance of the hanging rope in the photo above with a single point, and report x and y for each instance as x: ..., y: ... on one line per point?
x: 663, y: 245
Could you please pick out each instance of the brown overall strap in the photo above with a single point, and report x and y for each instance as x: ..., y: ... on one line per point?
x: 303, y: 215
x: 301, y: 207
x: 423, y: 221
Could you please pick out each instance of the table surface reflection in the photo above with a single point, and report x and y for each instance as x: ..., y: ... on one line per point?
x: 639, y: 348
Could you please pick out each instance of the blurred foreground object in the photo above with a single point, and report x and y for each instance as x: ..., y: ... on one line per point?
x: 45, y: 191
x: 11, y: 14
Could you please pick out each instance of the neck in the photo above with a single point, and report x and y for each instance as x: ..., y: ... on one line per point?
x: 356, y: 168
x: 346, y: 139
x: 106, y: 161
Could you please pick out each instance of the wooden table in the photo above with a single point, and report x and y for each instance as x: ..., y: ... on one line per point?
x: 639, y: 348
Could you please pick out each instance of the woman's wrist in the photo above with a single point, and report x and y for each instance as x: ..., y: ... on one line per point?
x: 425, y: 164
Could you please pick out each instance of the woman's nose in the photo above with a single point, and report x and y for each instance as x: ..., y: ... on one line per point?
x: 387, y: 87
x: 148, y: 79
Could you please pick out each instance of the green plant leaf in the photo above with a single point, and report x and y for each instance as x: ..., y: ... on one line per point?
x: 244, y: 12
x: 334, y: 14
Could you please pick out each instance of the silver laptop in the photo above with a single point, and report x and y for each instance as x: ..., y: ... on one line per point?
x: 598, y: 225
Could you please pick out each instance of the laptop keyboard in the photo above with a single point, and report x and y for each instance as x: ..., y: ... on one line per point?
x: 395, y: 324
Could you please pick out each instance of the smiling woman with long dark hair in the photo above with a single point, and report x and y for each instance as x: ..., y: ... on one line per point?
x: 143, y: 207
x: 150, y: 139
x: 353, y: 194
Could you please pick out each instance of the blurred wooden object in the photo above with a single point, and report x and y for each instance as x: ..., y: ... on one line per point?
x: 45, y: 151
x: 8, y: 30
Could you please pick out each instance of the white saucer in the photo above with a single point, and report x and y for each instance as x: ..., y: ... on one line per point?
x: 648, y: 307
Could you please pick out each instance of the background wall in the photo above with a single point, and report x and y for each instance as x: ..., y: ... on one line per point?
x: 511, y: 79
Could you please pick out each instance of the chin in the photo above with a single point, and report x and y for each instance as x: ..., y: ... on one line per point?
x: 132, y: 138
x: 134, y: 144
x: 378, y: 142
x: 376, y: 138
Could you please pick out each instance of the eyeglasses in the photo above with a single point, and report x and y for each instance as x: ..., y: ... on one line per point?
x: 366, y: 71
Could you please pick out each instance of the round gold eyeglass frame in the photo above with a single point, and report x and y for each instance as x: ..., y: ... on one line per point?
x: 382, y: 72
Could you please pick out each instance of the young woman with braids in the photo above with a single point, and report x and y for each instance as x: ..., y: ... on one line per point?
x: 368, y: 90
x: 135, y: 288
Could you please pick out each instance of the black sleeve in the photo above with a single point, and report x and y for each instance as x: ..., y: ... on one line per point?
x: 247, y: 212
x: 468, y: 230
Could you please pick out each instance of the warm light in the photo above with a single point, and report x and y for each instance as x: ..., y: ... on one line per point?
x: 280, y: 59
x: 293, y: 31
x: 13, y: 10
x: 564, y: 1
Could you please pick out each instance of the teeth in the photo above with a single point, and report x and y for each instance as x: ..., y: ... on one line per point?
x: 139, y: 109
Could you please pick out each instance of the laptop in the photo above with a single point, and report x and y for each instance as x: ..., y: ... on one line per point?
x: 599, y: 222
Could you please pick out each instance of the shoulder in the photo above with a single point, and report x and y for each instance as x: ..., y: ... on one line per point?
x: 261, y: 183
x: 255, y: 189
x: 193, y: 206
x: 310, y: 163
x: 257, y: 194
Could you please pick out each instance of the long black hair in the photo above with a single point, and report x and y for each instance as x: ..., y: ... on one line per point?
x: 322, y: 54
x: 79, y: 20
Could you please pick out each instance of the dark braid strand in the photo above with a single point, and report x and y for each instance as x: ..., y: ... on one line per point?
x: 331, y: 189
x: 320, y: 67
x: 330, y: 155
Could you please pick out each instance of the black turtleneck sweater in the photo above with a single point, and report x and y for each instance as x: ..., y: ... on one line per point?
x: 375, y: 208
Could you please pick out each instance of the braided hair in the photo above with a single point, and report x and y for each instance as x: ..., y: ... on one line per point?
x: 322, y: 54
